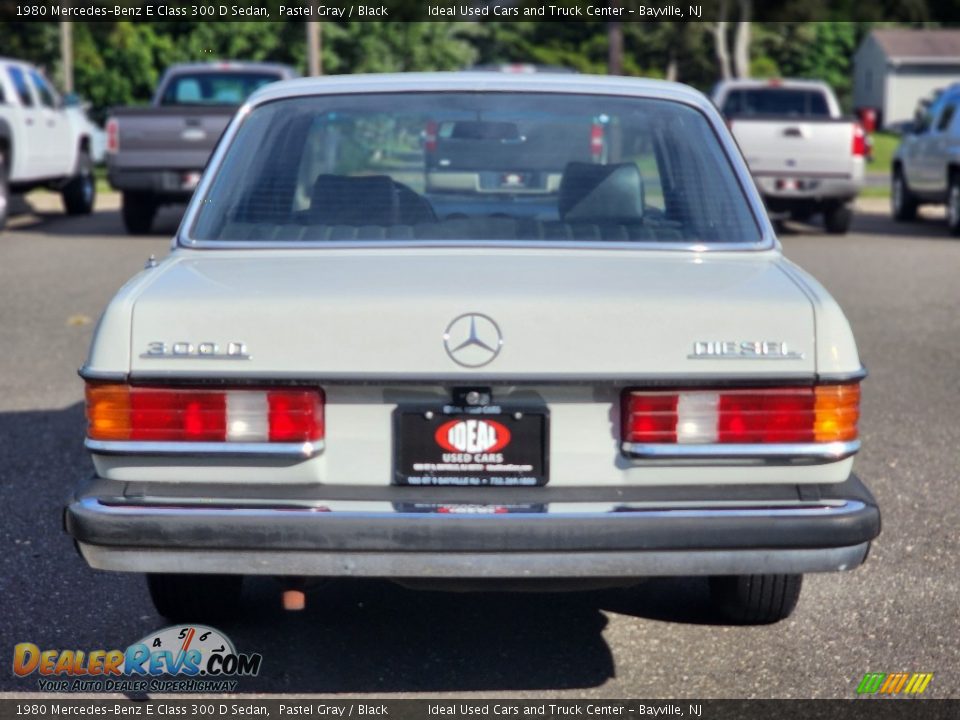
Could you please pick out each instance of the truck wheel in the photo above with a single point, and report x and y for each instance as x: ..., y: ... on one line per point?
x: 4, y: 190
x: 138, y: 211
x: 837, y: 219
x: 902, y: 202
x: 80, y: 192
x: 755, y: 599
x: 195, y: 598
x: 953, y: 205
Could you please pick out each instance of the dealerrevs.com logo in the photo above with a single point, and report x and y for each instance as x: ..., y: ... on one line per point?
x: 180, y: 658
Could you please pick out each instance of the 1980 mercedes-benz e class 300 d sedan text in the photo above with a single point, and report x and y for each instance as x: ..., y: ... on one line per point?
x: 448, y: 328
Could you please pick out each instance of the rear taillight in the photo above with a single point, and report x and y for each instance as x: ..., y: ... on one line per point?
x: 820, y: 414
x: 113, y: 136
x: 430, y: 137
x: 596, y: 141
x: 859, y: 147
x: 150, y: 414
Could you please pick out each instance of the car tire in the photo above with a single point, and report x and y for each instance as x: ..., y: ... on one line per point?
x: 837, y: 219
x: 138, y: 210
x: 755, y: 599
x: 4, y: 190
x: 80, y: 193
x: 903, y: 204
x: 196, y: 598
x: 953, y: 204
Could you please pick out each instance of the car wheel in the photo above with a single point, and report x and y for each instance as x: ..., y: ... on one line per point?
x: 139, y: 210
x: 902, y: 202
x: 195, y: 598
x: 80, y: 192
x: 755, y: 599
x: 4, y: 190
x: 953, y: 205
x: 837, y: 219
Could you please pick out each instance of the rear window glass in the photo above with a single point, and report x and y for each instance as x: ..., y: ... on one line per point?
x: 213, y: 88
x: 775, y: 102
x: 470, y: 166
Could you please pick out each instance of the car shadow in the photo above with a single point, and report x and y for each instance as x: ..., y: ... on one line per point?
x: 30, y: 213
x: 929, y: 225
x: 354, y: 635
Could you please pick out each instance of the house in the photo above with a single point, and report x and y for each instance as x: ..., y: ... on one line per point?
x: 896, y: 68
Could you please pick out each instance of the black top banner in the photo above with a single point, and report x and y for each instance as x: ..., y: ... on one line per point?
x: 942, y: 11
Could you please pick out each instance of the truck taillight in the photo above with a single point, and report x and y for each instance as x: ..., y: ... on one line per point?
x: 596, y: 141
x: 859, y: 147
x: 113, y: 136
x: 152, y: 414
x: 430, y: 137
x: 819, y: 414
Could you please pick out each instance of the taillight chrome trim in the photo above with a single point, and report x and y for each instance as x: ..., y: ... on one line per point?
x: 298, y: 450
x: 742, y: 453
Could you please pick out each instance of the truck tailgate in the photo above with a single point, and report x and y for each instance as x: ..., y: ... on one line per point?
x: 801, y: 147
x: 169, y: 138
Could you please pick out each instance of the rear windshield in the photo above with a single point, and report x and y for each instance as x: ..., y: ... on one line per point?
x: 776, y: 102
x: 475, y: 166
x: 214, y: 88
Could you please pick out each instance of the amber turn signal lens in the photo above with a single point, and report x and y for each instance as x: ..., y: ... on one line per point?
x: 108, y: 412
x: 836, y: 412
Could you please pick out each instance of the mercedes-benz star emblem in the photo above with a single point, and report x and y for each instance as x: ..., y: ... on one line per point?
x: 472, y: 340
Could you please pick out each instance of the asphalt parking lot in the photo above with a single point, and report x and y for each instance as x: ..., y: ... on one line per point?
x: 900, y: 612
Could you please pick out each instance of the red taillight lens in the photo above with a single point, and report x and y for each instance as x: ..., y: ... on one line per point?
x: 295, y: 416
x: 113, y: 136
x: 430, y: 137
x: 148, y: 414
x: 825, y: 413
x: 177, y: 415
x: 765, y: 416
x: 651, y: 418
x: 596, y: 141
x: 859, y: 140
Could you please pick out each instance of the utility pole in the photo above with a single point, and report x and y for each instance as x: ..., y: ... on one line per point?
x: 314, y: 46
x: 615, y: 45
x: 66, y: 55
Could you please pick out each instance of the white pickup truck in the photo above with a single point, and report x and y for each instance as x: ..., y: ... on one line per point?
x: 805, y: 157
x: 42, y: 142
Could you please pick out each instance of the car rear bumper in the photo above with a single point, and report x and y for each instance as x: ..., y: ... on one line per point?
x: 172, y: 185
x: 777, y: 188
x: 756, y: 530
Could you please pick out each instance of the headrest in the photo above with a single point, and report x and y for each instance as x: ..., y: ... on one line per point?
x: 591, y: 192
x: 342, y: 200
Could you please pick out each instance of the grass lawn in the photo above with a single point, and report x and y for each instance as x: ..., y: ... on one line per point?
x: 884, y: 145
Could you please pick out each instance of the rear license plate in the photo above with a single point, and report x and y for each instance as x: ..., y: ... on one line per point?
x: 462, y: 448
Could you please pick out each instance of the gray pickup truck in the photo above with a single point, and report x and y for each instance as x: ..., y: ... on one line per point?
x: 926, y: 166
x: 156, y: 154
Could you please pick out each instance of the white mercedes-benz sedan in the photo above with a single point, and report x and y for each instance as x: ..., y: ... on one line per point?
x: 462, y: 328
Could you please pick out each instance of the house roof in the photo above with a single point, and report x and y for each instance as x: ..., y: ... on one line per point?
x: 931, y: 45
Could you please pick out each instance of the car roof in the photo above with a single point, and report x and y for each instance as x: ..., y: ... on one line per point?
x: 229, y: 65
x: 471, y: 81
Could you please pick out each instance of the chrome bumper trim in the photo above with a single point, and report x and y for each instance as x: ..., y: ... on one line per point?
x: 299, y: 451
x: 128, y: 506
x: 745, y: 454
x: 630, y: 564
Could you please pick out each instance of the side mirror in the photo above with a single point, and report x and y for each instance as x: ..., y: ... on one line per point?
x: 71, y: 100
